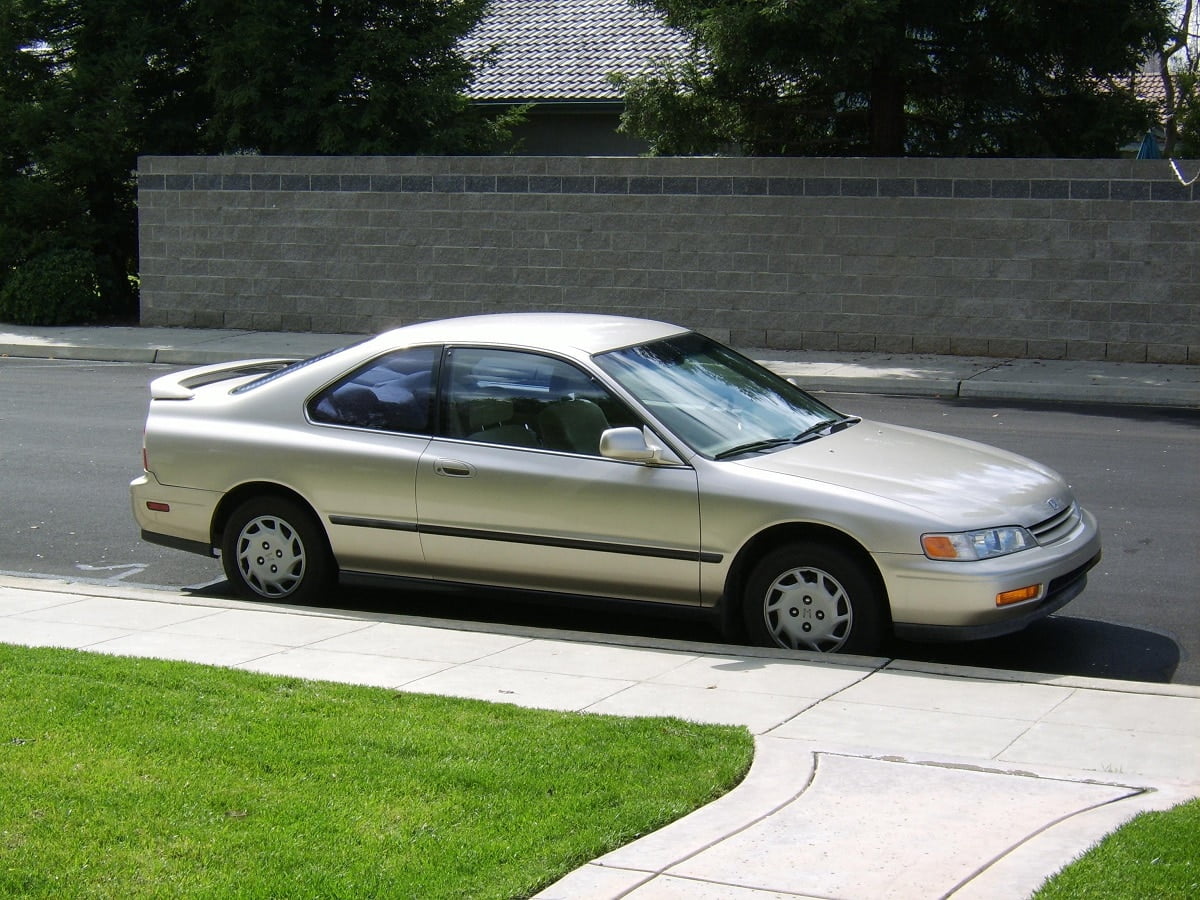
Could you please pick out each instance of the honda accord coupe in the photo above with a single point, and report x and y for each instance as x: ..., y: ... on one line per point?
x: 603, y: 457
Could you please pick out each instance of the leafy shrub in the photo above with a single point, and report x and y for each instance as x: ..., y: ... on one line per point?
x: 57, y: 287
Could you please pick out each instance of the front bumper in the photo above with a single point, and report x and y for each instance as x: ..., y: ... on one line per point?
x: 1062, y: 591
x: 937, y: 600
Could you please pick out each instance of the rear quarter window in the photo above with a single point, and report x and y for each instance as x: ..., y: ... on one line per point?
x: 393, y: 392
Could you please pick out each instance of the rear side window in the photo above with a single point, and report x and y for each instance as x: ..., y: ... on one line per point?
x: 393, y: 392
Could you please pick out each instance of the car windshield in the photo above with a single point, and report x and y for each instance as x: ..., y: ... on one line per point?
x: 719, y: 402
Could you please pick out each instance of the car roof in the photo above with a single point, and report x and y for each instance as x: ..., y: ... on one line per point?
x: 562, y: 332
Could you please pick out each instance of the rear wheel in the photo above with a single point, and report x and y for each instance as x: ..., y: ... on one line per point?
x: 273, y: 549
x: 813, y: 596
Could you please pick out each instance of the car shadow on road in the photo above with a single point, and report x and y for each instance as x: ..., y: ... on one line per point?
x: 1058, y: 645
x: 1062, y: 645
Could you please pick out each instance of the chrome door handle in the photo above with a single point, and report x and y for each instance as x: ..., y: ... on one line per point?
x: 453, y: 468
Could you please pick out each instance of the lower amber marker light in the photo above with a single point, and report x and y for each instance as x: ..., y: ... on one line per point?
x: 1019, y: 595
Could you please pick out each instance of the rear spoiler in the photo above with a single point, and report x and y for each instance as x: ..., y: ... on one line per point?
x: 183, y: 385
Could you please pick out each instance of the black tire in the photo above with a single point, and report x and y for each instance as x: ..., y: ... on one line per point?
x: 273, y: 549
x: 813, y: 596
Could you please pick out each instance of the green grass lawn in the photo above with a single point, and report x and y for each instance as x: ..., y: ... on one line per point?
x: 137, y: 778
x: 1156, y: 856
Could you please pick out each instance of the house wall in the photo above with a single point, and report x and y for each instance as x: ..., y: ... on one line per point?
x: 1016, y: 258
x: 575, y: 130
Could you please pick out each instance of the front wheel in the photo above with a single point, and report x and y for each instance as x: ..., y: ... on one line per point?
x: 273, y: 549
x: 812, y: 596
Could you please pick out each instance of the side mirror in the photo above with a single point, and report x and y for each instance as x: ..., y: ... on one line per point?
x: 625, y: 444
x: 636, y: 445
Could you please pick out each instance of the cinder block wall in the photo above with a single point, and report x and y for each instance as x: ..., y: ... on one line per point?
x: 1056, y: 259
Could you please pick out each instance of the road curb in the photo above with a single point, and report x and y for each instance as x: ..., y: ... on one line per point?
x: 76, y: 352
x: 119, y: 590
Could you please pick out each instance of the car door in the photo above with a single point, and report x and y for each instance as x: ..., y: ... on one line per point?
x: 513, y: 491
x: 373, y: 425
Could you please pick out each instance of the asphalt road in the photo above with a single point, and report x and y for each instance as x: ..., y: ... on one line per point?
x: 70, y: 441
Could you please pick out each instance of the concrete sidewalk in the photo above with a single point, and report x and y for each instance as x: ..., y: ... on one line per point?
x: 872, y: 777
x: 984, y: 378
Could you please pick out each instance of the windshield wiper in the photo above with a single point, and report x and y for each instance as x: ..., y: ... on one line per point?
x: 820, y: 429
x: 823, y: 428
x: 753, y: 447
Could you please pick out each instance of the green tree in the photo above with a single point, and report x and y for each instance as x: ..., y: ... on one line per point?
x: 86, y: 86
x: 353, y: 76
x: 31, y: 208
x: 897, y: 77
x: 1178, y: 67
x: 112, y: 91
x: 1187, y: 113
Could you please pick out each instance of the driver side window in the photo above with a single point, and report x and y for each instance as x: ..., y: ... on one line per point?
x: 527, y: 400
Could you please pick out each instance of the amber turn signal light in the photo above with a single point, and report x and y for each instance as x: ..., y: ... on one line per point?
x: 1019, y: 595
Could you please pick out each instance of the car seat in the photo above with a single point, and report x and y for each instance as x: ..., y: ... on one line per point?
x: 490, y: 421
x: 573, y: 425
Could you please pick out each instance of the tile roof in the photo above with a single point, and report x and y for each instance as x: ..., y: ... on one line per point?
x: 1149, y: 86
x: 565, y: 49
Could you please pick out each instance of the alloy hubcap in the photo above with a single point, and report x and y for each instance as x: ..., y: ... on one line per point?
x: 807, y: 609
x: 270, y: 556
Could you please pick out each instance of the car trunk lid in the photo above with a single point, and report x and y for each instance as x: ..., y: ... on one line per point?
x: 184, y: 385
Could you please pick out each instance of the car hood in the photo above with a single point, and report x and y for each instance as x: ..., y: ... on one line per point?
x: 959, y: 483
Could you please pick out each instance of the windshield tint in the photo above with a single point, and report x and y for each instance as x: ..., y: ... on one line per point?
x: 713, y: 398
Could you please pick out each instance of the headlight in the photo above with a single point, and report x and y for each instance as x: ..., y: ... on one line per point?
x: 982, y: 544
